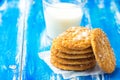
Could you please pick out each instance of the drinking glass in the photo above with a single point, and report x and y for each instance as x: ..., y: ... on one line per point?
x: 59, y: 15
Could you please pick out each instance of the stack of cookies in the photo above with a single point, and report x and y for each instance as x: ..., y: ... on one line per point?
x: 72, y: 50
x: 79, y: 48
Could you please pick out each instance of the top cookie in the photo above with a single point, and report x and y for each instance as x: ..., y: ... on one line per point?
x: 77, y: 38
x: 102, y: 50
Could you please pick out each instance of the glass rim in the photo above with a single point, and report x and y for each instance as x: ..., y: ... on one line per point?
x: 81, y: 4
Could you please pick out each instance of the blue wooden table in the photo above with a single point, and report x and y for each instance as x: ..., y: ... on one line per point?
x: 22, y: 37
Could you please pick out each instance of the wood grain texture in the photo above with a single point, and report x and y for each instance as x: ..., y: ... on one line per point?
x: 10, y: 40
x: 97, y: 14
x: 22, y: 37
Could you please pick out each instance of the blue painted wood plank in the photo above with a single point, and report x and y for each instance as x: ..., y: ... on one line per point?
x: 34, y: 68
x: 10, y: 40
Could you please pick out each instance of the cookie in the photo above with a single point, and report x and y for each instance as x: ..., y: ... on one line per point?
x: 57, y: 46
x: 73, y: 67
x: 102, y: 50
x: 77, y: 38
x: 71, y: 56
x: 72, y: 61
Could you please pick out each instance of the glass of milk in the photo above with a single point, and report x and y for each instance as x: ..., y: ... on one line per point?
x: 59, y: 15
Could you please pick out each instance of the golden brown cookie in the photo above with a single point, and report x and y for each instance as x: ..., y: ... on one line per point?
x: 72, y: 61
x: 58, y: 47
x: 80, y: 67
x: 102, y: 50
x: 77, y: 38
x: 71, y: 56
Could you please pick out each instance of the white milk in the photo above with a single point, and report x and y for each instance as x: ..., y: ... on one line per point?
x: 61, y: 16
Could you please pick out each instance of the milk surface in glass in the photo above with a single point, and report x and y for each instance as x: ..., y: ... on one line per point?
x: 60, y: 16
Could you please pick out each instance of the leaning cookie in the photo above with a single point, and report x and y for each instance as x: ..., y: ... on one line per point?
x: 80, y: 67
x: 102, y: 50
